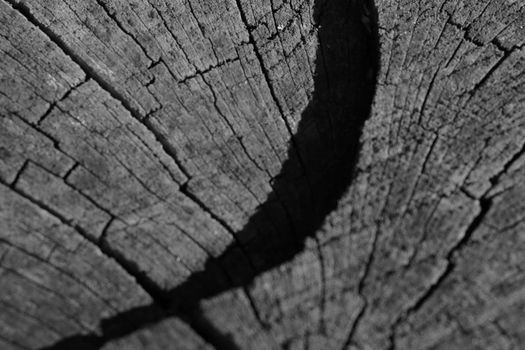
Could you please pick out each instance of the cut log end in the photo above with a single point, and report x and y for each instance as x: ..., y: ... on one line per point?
x: 235, y: 174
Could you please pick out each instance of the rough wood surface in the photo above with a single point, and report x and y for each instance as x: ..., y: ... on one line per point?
x: 277, y: 174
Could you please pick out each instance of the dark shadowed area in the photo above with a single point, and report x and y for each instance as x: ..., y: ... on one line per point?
x: 319, y: 168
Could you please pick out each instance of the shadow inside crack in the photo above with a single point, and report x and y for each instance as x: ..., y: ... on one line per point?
x: 319, y: 168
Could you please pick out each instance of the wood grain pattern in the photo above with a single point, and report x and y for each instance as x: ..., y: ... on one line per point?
x: 241, y: 174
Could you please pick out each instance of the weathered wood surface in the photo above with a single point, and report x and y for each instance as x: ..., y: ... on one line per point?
x: 187, y: 174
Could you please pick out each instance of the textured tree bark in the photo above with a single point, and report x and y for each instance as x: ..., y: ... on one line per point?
x: 277, y: 174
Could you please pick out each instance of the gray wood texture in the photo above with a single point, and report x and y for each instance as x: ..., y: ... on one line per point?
x: 276, y: 174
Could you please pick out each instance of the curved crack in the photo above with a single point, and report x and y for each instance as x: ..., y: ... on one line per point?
x: 319, y: 169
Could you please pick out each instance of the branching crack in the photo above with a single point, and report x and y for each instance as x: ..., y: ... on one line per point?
x: 266, y: 75
x: 142, y: 279
x: 93, y: 74
x: 208, y: 69
x: 111, y: 14
x: 485, y: 204
x: 130, y: 267
x: 360, y: 291
x: 53, y: 104
x: 165, y: 305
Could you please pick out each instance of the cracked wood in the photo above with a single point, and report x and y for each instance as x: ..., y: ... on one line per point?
x: 142, y: 141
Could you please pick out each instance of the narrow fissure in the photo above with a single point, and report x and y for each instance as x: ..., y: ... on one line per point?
x: 266, y: 75
x: 180, y: 302
x: 485, y: 204
x: 205, y: 329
